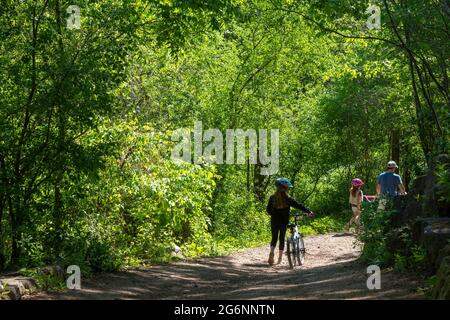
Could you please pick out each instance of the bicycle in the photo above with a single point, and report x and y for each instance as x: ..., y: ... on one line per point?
x: 295, y: 244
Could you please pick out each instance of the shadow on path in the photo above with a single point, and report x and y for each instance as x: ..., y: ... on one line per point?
x: 221, y: 278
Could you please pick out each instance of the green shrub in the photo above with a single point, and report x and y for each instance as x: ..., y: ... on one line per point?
x: 322, y: 224
x: 100, y: 257
x: 45, y: 281
x: 378, y: 236
x: 374, y: 235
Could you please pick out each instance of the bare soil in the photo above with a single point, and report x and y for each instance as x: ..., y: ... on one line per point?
x: 331, y: 271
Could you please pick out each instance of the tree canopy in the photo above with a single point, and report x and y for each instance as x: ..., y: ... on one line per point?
x: 87, y: 114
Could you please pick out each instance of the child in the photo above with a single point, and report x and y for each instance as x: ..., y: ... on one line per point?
x: 278, y: 208
x: 355, y: 200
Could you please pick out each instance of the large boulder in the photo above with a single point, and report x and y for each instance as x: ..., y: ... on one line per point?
x: 441, y: 290
x: 433, y: 234
x: 425, y: 197
x: 407, y: 209
x: 14, y: 285
x: 445, y: 252
x: 53, y: 270
x: 397, y: 242
x: 15, y: 288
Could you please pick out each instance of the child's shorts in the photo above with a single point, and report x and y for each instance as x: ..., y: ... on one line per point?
x: 356, y: 210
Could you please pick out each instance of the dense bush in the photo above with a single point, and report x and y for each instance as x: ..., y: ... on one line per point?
x: 385, y: 245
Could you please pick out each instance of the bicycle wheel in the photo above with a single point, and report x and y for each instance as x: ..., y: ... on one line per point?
x: 295, y: 251
x: 301, y: 251
x: 290, y: 252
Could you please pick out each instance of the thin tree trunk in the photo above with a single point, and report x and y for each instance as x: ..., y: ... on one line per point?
x: 248, y: 174
x: 395, y: 146
x: 412, y: 65
x: 15, y: 204
x: 258, y: 181
x: 61, y: 139
x: 2, y: 206
x: 15, y: 233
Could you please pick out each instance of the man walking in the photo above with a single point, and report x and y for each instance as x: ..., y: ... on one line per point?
x: 389, y: 185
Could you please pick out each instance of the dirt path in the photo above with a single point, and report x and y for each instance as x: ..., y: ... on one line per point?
x: 330, y: 272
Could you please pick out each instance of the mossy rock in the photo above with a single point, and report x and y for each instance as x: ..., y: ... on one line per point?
x: 444, y: 252
x: 433, y: 234
x: 442, y: 289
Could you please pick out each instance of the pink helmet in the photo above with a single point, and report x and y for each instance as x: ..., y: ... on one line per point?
x: 357, y: 182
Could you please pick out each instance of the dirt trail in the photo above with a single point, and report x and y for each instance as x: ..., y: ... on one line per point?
x: 330, y: 272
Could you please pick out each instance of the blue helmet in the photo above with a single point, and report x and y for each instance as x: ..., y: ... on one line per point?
x: 283, y: 182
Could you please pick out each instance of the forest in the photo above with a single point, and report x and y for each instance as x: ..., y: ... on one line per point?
x: 93, y: 93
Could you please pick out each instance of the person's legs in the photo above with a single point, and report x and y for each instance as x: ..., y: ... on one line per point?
x: 352, y: 220
x: 283, y: 226
x: 271, y: 255
x: 356, y: 218
x: 349, y: 224
x: 275, y: 229
x: 282, y: 236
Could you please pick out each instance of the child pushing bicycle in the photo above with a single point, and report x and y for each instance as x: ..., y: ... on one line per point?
x: 278, y: 208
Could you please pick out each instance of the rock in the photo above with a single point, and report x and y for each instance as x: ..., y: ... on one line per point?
x: 441, y: 290
x: 407, y: 209
x: 13, y: 292
x: 176, y: 252
x: 14, y: 285
x: 178, y: 255
x: 424, y: 198
x: 396, y: 240
x: 55, y: 270
x: 15, y: 288
x: 418, y: 186
x: 444, y: 252
x: 433, y: 234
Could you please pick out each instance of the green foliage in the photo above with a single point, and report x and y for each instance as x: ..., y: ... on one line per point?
x: 322, y: 225
x: 374, y: 235
x: 414, y: 259
x: 87, y: 116
x: 443, y: 176
x: 387, y: 246
x: 411, y: 257
x: 427, y: 288
x: 45, y: 281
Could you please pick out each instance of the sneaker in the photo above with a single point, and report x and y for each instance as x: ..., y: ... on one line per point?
x: 280, y: 256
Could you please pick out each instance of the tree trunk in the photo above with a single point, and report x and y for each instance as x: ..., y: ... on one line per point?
x: 248, y: 174
x: 422, y: 122
x: 14, y: 212
x: 395, y: 145
x: 3, y: 192
x: 259, y: 186
x: 406, y: 178
x: 2, y: 244
x: 61, y: 139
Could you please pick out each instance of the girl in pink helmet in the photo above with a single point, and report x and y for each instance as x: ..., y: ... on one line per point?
x: 355, y: 200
